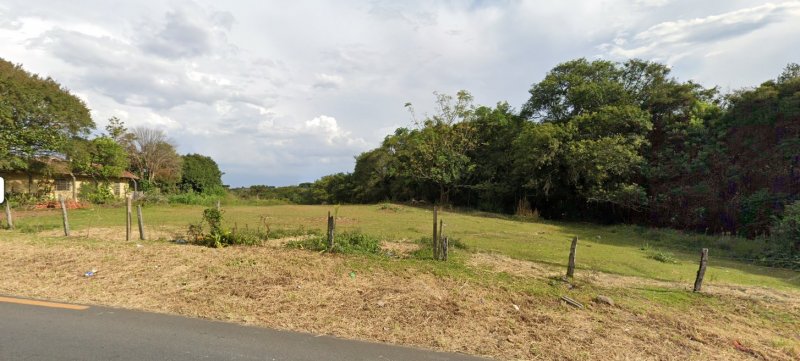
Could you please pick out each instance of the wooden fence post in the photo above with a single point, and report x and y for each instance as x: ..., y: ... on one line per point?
x: 331, y: 226
x: 141, y: 222
x: 435, y: 234
x: 445, y: 242
x: 64, y: 216
x: 128, y: 218
x: 701, y: 272
x: 9, y: 220
x: 442, y: 242
x: 571, y: 265
x: 218, y: 205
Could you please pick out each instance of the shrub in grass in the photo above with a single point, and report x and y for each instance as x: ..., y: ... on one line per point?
x: 345, y: 242
x: 389, y: 207
x: 218, y: 236
x: 662, y: 256
x: 210, y: 232
x: 456, y: 243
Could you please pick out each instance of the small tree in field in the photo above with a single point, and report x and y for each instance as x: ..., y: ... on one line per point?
x: 437, y: 149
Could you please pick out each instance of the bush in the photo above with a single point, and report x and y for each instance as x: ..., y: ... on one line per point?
x: 97, y: 193
x: 385, y: 206
x: 218, y: 236
x: 192, y: 198
x: 662, y: 256
x: 345, y: 242
x: 25, y: 199
x: 783, y: 246
x: 787, y: 227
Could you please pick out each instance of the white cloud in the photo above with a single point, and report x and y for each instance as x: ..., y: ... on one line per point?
x: 281, y: 92
x: 671, y: 40
x: 653, y: 3
x: 327, y: 81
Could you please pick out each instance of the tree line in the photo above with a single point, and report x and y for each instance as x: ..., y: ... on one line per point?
x: 598, y: 141
x: 40, y: 120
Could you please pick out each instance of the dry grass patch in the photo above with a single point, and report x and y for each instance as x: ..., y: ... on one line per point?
x: 118, y: 233
x: 400, y: 301
x: 402, y: 249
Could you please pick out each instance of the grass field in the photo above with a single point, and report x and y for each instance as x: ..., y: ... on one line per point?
x: 624, y: 250
x: 498, y: 298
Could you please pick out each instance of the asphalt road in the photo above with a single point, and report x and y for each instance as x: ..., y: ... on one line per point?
x: 51, y: 331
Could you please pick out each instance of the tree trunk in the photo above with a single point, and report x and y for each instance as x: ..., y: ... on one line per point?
x: 443, y: 194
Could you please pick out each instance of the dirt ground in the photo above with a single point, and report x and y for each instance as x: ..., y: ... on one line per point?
x: 331, y: 294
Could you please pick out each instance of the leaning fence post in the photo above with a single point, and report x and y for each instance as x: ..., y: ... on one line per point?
x: 128, y: 218
x: 571, y: 265
x: 64, y: 216
x: 141, y: 222
x: 435, y: 235
x: 701, y: 272
x: 9, y: 220
x: 445, y: 242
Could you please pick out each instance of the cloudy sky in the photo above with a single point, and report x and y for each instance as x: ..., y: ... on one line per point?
x: 281, y: 92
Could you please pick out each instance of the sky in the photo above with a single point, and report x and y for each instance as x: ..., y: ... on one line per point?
x: 283, y: 92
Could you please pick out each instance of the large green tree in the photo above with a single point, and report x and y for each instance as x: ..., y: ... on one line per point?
x: 101, y: 157
x: 201, y: 174
x: 38, y: 118
x: 590, y: 148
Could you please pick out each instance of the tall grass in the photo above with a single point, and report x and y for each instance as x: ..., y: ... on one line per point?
x: 210, y: 200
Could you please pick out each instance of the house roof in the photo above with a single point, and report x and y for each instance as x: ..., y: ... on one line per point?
x: 61, y: 167
x: 129, y: 175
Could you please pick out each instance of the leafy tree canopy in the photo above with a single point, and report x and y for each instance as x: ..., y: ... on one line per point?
x: 200, y: 174
x: 38, y: 117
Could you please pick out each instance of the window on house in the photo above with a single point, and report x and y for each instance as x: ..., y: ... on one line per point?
x: 63, y: 184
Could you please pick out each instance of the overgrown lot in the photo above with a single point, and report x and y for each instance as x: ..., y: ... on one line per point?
x: 499, y: 297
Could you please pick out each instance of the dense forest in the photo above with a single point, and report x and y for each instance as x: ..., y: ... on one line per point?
x: 598, y: 141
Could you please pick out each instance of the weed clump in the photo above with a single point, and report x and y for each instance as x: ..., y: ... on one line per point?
x: 386, y: 206
x: 662, y: 256
x: 346, y: 242
x: 218, y: 236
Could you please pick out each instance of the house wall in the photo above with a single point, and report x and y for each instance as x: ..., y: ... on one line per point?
x: 118, y: 187
x: 18, y: 183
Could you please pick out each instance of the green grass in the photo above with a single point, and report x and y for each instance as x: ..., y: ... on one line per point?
x: 345, y: 242
x: 613, y: 249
